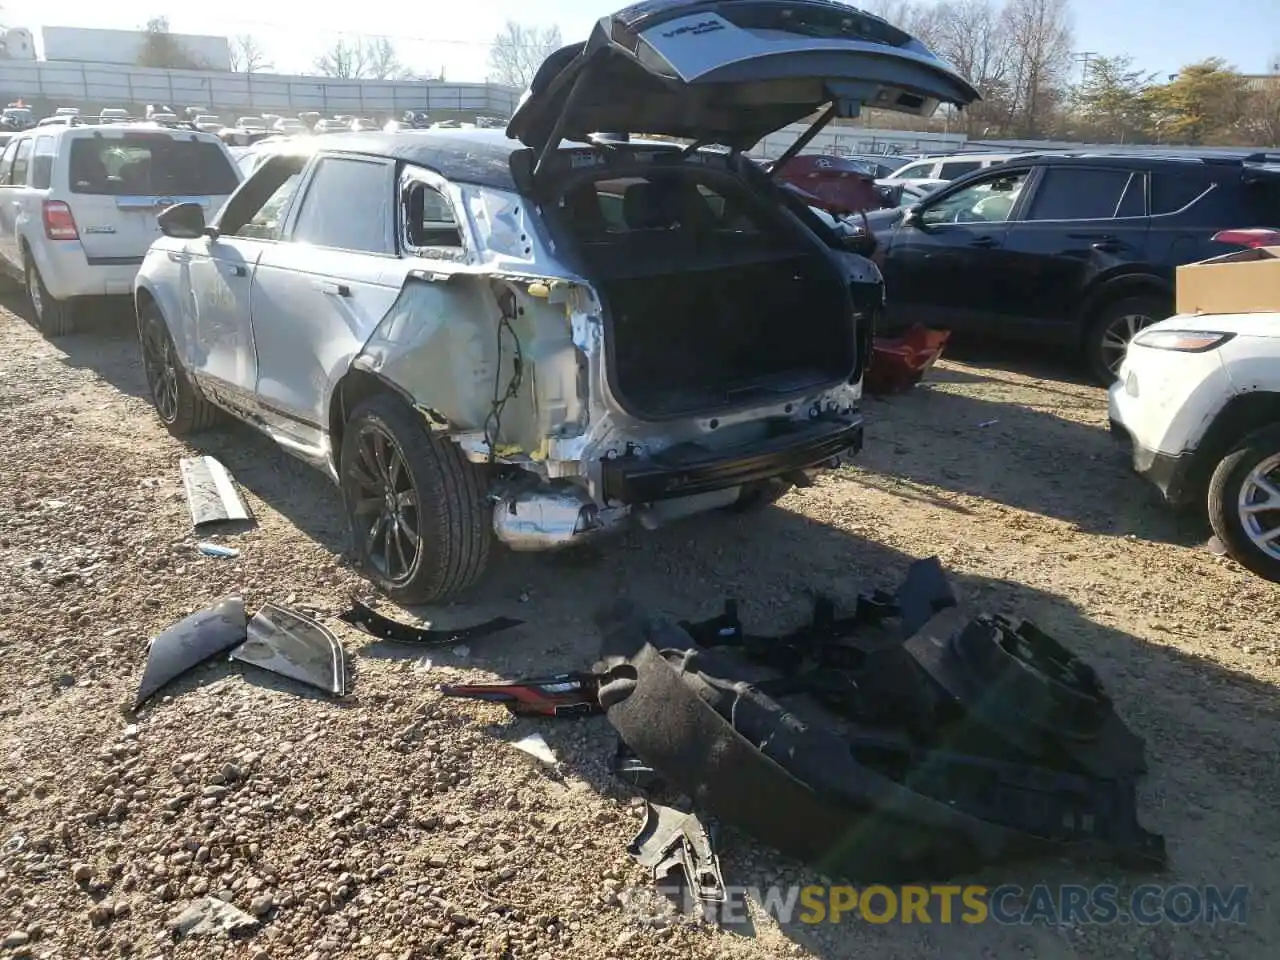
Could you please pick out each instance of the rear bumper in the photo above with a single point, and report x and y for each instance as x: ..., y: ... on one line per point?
x: 1173, y: 476
x: 69, y: 272
x: 688, y: 469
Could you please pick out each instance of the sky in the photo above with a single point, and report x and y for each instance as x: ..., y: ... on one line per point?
x: 454, y: 35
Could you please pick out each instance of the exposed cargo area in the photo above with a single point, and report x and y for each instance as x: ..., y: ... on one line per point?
x: 710, y: 299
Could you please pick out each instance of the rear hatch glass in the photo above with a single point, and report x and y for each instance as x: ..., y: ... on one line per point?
x: 120, y: 183
x: 156, y: 166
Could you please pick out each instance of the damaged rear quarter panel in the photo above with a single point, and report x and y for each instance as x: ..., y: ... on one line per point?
x: 439, y: 342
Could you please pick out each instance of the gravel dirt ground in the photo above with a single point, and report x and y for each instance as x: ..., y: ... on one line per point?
x: 397, y: 825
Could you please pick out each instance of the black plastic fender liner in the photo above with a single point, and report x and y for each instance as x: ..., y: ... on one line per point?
x: 1017, y: 683
x: 364, y: 617
x: 789, y: 784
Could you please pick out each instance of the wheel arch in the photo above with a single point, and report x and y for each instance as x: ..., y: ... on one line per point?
x: 1240, y: 416
x: 355, y: 386
x: 1118, y: 287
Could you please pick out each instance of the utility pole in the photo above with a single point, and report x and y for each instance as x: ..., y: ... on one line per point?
x: 1084, y: 58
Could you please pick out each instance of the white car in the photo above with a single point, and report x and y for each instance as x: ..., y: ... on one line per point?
x: 1198, y: 399
x: 936, y: 170
x: 78, y: 206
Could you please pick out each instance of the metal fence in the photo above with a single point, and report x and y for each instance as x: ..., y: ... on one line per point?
x: 46, y: 85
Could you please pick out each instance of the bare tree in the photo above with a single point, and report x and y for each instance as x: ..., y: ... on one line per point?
x: 161, y: 49
x: 516, y: 53
x: 362, y: 59
x: 1040, y: 34
x: 247, y: 56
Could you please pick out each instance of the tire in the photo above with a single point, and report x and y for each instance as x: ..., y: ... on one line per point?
x: 757, y: 496
x: 1236, y: 478
x: 442, y: 502
x: 1114, y: 324
x: 53, y: 318
x: 178, y: 402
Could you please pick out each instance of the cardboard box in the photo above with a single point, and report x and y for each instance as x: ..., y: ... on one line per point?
x: 1247, y: 281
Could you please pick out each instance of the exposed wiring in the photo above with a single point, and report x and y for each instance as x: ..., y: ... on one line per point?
x: 493, y: 422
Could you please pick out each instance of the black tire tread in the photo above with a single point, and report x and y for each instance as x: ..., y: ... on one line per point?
x: 59, y: 316
x: 1139, y: 303
x: 1224, y: 491
x: 460, y: 525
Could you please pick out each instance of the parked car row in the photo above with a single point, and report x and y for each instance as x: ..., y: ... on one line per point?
x: 534, y: 336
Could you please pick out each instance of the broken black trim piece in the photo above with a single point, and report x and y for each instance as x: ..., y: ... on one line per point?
x: 562, y: 695
x: 672, y: 840
x: 364, y: 617
x: 190, y: 642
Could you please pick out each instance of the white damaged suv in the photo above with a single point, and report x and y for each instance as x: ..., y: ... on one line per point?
x: 1198, y: 399
x: 536, y: 336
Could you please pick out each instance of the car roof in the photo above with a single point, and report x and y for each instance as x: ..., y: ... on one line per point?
x: 480, y: 156
x: 1144, y: 159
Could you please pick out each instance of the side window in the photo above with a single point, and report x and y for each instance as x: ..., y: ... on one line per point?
x: 1134, y: 201
x: 429, y: 219
x: 958, y: 168
x: 21, y: 163
x: 258, y: 209
x: 1078, y: 193
x: 989, y: 201
x: 347, y: 206
x: 1171, y: 191
x: 42, y: 163
x: 6, y: 162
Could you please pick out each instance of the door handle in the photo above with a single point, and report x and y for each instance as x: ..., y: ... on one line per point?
x: 333, y: 289
x: 177, y: 257
x: 1108, y: 245
x: 983, y: 242
x: 237, y: 270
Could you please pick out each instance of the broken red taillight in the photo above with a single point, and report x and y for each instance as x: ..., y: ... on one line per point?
x: 1249, y: 237
x: 59, y: 224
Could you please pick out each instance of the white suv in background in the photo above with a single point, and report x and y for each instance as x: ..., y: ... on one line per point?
x: 1198, y: 398
x: 78, y: 206
x: 932, y: 171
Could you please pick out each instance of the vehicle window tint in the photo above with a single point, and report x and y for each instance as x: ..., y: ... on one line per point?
x: 1173, y: 190
x: 430, y: 219
x: 958, y: 168
x: 1233, y: 203
x: 338, y: 188
x: 989, y: 201
x: 1077, y: 193
x: 6, y: 161
x: 258, y: 209
x: 149, y: 165
x: 42, y: 163
x: 21, y: 162
x: 635, y: 204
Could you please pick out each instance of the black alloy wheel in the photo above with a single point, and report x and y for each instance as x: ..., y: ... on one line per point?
x: 160, y: 362
x: 385, y: 503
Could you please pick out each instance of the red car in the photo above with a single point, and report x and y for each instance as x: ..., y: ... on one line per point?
x: 835, y: 184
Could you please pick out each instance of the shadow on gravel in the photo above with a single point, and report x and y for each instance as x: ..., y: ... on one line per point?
x: 1033, y: 360
x: 1018, y: 456
x: 774, y: 562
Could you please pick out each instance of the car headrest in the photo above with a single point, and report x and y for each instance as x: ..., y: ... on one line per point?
x: 645, y: 206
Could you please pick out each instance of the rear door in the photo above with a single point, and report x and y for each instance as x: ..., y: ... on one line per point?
x: 949, y: 268
x: 120, y: 178
x: 1081, y: 222
x: 318, y: 297
x: 216, y: 337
